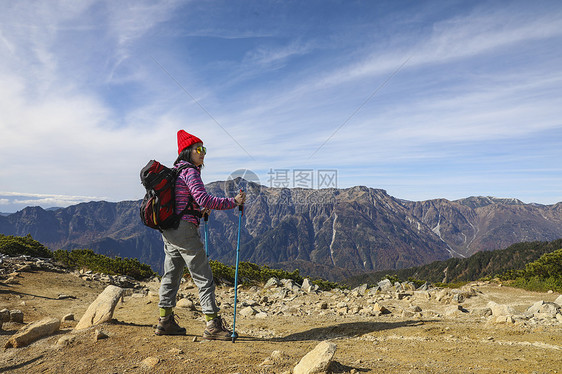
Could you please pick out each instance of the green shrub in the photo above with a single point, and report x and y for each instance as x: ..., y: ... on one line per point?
x: 88, y: 259
x: 325, y: 285
x: 252, y: 274
x: 541, y: 275
x: 417, y: 282
x: 392, y: 278
x: 547, y: 266
x: 538, y: 284
x: 23, y: 245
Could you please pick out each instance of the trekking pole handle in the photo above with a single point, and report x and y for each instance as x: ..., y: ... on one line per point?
x: 241, y: 206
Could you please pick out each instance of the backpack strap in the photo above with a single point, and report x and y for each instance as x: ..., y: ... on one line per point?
x: 187, y: 210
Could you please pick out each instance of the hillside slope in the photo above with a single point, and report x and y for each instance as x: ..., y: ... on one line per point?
x: 479, y: 265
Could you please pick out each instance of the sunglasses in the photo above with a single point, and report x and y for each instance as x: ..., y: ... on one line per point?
x: 201, y: 149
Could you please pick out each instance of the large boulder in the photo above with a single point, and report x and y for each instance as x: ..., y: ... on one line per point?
x: 34, y: 331
x: 101, y: 310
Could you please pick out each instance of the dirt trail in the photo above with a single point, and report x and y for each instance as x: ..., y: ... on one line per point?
x: 392, y: 343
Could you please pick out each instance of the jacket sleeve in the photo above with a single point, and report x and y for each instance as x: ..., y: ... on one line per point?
x: 200, y: 195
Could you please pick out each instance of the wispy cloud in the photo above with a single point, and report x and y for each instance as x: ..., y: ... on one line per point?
x: 268, y: 55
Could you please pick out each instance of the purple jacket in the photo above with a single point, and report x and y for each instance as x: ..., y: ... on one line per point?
x: 189, y: 185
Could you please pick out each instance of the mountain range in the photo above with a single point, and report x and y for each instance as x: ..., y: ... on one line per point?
x: 329, y: 233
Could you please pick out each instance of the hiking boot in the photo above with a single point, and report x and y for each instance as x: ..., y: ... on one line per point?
x: 217, y: 329
x: 168, y: 326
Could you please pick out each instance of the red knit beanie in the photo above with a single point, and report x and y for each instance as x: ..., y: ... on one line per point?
x: 185, y: 140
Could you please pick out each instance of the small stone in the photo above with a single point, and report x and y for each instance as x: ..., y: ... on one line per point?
x: 306, y: 285
x: 248, y: 312
x: 385, y: 285
x: 275, y: 358
x: 380, y: 308
x: 16, y: 316
x: 458, y: 298
x: 176, y: 351
x: 5, y: 315
x: 359, y: 291
x: 482, y: 312
x: 453, y: 310
x: 194, y: 339
x: 504, y: 319
x: 317, y: 360
x: 422, y: 294
x: 66, y: 340
x: 99, y: 334
x: 150, y: 362
x: 544, y: 308
x: 272, y: 282
x: 415, y: 309
x: 68, y: 317
x: 25, y: 267
x: 186, y: 303
x: 500, y: 310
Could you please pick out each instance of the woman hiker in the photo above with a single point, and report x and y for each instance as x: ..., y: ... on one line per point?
x: 183, y: 246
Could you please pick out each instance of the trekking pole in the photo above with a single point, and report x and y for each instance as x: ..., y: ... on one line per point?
x: 206, y: 217
x: 241, y: 212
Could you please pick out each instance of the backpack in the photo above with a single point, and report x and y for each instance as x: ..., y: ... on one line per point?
x: 158, y: 208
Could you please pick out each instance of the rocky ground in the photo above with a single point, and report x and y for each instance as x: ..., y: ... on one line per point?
x: 480, y: 328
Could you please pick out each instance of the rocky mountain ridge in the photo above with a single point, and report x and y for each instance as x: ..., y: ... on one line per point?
x: 331, y: 232
x: 485, y: 223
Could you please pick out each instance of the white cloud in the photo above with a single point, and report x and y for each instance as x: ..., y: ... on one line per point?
x: 82, y: 101
x: 32, y: 199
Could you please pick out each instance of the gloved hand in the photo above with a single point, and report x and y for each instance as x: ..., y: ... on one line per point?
x: 240, y: 198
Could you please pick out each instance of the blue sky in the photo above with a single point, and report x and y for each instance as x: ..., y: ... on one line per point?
x: 425, y: 99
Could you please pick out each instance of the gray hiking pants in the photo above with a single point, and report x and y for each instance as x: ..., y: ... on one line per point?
x: 183, y: 247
